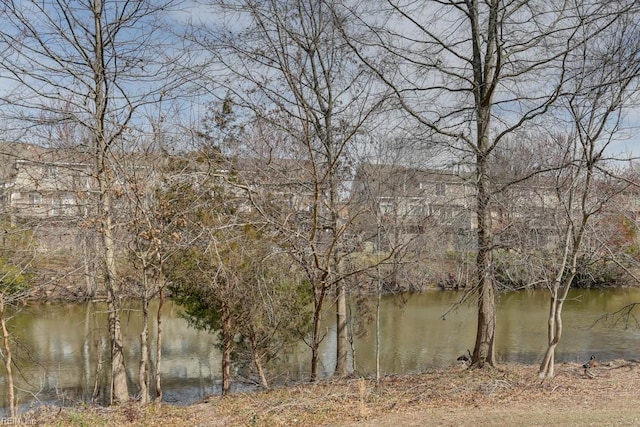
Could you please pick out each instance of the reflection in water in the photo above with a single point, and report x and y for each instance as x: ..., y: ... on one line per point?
x: 63, y: 353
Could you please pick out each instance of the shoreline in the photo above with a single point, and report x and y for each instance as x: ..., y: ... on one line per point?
x: 69, y: 297
x: 510, y: 394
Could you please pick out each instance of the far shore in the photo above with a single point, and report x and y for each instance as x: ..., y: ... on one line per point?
x: 71, y: 294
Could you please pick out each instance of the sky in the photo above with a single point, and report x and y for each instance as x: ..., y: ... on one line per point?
x: 628, y: 142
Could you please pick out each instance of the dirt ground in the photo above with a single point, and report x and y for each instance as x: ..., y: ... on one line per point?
x: 511, y: 395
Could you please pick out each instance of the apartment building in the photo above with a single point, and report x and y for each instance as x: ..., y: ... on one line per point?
x: 41, y: 183
x: 400, y: 201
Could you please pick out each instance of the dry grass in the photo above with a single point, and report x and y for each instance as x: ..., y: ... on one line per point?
x: 510, y: 395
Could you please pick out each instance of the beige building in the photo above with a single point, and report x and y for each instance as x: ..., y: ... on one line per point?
x: 42, y: 190
x: 56, y: 184
x: 42, y: 183
x: 408, y: 202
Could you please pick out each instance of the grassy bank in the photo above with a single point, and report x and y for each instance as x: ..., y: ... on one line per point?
x: 509, y: 395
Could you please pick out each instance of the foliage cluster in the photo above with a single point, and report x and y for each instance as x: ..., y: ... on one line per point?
x: 16, y: 260
x: 598, y: 273
x: 515, y: 271
x: 13, y: 279
x: 230, y: 278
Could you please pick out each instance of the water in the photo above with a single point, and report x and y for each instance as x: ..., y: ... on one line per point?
x: 60, y: 344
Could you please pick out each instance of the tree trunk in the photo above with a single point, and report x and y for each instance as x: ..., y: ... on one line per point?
x: 119, y: 386
x: 8, y: 360
x: 484, y: 349
x: 315, y: 336
x: 143, y: 372
x: 227, y: 342
x: 558, y: 297
x: 314, y: 352
x: 547, y: 367
x: 341, y: 331
x: 159, y: 345
x: 559, y: 292
x: 378, y: 331
x: 257, y: 362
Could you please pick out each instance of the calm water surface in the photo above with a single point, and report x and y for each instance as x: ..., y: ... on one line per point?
x: 63, y: 348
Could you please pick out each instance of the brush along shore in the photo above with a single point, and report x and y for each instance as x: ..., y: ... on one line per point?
x: 508, y: 395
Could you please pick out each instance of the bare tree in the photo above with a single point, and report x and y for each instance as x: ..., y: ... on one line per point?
x: 103, y: 60
x: 605, y: 74
x: 293, y: 77
x: 147, y: 233
x: 16, y: 263
x: 472, y: 73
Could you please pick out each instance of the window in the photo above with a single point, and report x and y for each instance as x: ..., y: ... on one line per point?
x: 418, y: 209
x: 55, y: 207
x: 68, y: 199
x: 386, y: 207
x: 442, y: 212
x: 441, y: 189
x: 35, y: 198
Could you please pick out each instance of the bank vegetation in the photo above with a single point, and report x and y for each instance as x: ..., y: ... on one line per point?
x: 511, y: 394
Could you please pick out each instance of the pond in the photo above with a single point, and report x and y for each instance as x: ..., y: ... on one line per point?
x: 63, y: 348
